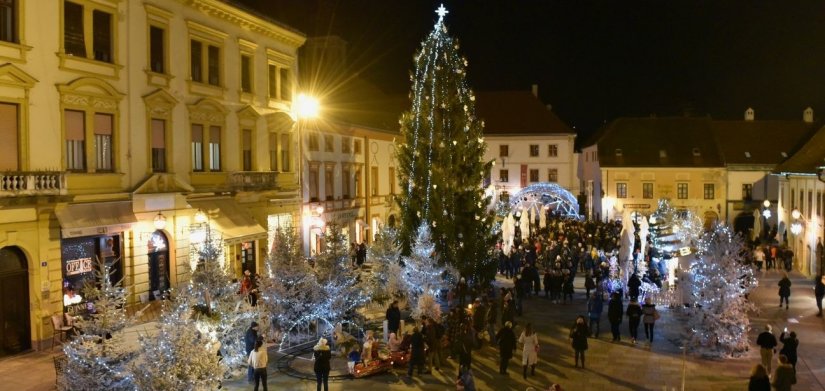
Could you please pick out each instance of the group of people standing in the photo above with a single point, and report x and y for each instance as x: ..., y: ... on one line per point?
x: 784, y: 376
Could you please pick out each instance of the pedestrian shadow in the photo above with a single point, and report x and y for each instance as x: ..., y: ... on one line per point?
x: 615, y: 381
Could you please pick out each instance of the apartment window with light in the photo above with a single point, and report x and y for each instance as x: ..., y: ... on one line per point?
x: 158, y: 145
x: 9, y: 141
x: 273, y: 151
x: 552, y: 174
x: 534, y: 175
x: 621, y: 190
x: 747, y: 191
x: 75, y: 123
x: 374, y: 181
x: 329, y: 143
x: 682, y: 191
x: 534, y: 150
x: 709, y: 191
x: 346, y: 179
x: 552, y: 150
x: 197, y: 147
x: 247, y: 149
x: 246, y: 73
x: 8, y: 21
x: 504, y: 175
x: 313, y: 141
x: 157, y: 49
x: 647, y: 190
x: 285, y: 152
x: 313, y: 183
x: 104, y: 124
x: 329, y: 190
x: 214, y: 148
x: 503, y: 150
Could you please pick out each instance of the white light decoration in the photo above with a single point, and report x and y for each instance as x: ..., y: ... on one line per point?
x: 160, y: 222
x: 766, y: 213
x: 796, y: 228
x: 200, y: 217
x: 766, y: 203
x: 796, y: 214
x: 546, y: 196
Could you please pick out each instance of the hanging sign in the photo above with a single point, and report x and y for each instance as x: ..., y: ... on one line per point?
x: 78, y: 266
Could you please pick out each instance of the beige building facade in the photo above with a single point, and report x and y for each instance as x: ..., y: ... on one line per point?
x: 122, y: 120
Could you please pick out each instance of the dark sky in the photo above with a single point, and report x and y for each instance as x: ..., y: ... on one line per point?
x: 597, y: 60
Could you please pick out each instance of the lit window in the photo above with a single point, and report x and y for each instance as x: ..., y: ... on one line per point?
x: 552, y: 150
x: 621, y: 190
x: 534, y: 150
x: 682, y: 191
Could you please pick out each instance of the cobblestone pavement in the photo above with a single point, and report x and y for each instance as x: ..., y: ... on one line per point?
x: 610, y: 366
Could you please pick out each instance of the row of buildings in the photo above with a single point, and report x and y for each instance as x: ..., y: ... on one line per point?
x: 129, y: 126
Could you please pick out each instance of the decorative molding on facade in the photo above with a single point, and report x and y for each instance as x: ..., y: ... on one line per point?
x: 11, y: 75
x: 247, y: 21
x: 160, y: 103
x: 90, y: 92
x: 207, y: 110
x: 248, y: 113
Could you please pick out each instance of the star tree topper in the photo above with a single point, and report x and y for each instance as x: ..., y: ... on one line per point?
x: 441, y: 11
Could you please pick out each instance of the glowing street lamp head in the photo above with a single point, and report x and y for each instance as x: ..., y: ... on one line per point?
x: 796, y: 214
x: 200, y: 217
x: 766, y: 203
x: 306, y: 106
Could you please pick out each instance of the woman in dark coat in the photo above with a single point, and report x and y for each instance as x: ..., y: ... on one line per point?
x: 789, y: 346
x: 506, y: 345
x: 784, y: 290
x: 417, y: 354
x: 759, y: 380
x: 322, y: 355
x: 578, y: 339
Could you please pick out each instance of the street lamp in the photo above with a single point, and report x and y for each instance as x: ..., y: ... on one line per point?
x: 160, y: 221
x: 796, y: 226
x: 766, y: 210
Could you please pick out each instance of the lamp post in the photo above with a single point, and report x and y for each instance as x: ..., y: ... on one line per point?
x: 820, y: 174
x: 304, y: 107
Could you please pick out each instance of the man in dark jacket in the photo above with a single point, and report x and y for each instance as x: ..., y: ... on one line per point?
x: 615, y: 312
x: 249, y: 340
x: 417, y: 354
x: 819, y: 292
x: 633, y: 284
x: 767, y: 346
x: 506, y: 345
x: 393, y: 318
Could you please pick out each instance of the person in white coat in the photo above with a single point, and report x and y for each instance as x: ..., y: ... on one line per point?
x: 530, y: 351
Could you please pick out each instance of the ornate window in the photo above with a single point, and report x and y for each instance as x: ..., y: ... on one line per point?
x: 159, y: 107
x: 90, y: 125
x: 207, y: 122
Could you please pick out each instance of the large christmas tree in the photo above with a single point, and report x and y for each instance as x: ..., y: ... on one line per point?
x: 440, y: 159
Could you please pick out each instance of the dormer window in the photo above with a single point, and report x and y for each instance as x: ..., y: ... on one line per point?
x: 747, y: 154
x: 783, y: 154
x: 618, y: 152
x: 662, y: 153
x: 696, y: 152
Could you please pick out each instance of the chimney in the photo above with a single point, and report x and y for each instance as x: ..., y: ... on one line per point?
x: 749, y: 114
x: 536, y: 90
x: 808, y: 115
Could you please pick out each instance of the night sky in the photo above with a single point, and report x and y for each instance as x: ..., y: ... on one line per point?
x: 595, y: 61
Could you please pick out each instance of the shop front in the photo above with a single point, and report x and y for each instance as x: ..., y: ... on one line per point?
x: 91, y: 234
x: 242, y: 237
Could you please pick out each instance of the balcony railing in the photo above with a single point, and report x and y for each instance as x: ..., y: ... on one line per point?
x: 263, y: 180
x: 17, y: 184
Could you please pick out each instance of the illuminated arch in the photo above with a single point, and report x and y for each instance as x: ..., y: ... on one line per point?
x: 546, y: 195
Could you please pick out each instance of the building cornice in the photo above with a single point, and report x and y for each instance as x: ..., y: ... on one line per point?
x: 245, y: 20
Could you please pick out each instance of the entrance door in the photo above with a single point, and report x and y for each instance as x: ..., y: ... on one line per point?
x: 158, y: 253
x: 248, y: 257
x: 15, y: 330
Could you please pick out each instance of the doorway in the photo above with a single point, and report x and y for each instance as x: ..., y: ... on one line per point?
x: 15, y: 330
x: 158, y: 253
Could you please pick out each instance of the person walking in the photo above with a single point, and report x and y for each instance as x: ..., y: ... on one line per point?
x: 567, y: 289
x: 578, y: 339
x: 615, y: 312
x: 258, y: 359
x: 649, y: 316
x: 784, y: 377
x: 530, y: 349
x: 417, y: 354
x: 784, y: 290
x: 393, y: 317
x: 759, y: 380
x: 432, y: 336
x: 589, y: 283
x: 250, y: 338
x: 506, y: 346
x: 322, y: 355
x: 767, y: 346
x: 594, y: 312
x: 819, y: 292
x: 758, y: 257
x: 789, y: 346
x: 634, y: 317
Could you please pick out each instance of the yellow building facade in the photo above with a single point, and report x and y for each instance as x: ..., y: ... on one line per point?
x: 121, y: 120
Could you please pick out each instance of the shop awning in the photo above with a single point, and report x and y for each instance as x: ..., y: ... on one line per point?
x: 233, y: 221
x: 95, y: 218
